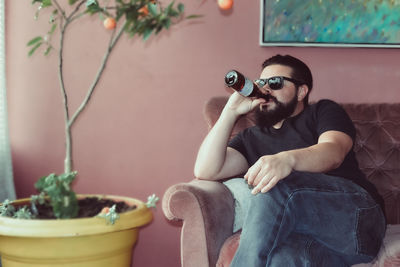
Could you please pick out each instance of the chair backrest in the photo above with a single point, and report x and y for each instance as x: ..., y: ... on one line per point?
x: 377, y: 146
x: 377, y: 149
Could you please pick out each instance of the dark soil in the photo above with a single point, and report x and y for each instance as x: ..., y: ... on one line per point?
x: 88, y: 207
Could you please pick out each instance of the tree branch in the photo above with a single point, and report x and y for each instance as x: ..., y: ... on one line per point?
x: 111, y: 45
x: 59, y: 8
x: 76, y: 9
x: 68, y: 138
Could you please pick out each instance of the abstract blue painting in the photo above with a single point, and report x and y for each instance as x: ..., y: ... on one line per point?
x: 369, y: 23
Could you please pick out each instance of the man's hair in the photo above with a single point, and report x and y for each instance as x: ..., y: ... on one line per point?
x: 300, y: 71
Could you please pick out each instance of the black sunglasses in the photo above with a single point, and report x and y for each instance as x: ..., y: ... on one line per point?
x: 276, y: 82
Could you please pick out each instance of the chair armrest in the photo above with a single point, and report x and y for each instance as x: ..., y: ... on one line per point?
x: 207, y: 211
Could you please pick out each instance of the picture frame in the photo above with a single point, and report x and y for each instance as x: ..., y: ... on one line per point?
x: 330, y: 23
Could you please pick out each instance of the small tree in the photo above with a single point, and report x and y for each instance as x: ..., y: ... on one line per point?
x: 140, y: 18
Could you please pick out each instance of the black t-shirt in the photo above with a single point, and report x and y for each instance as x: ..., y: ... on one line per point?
x: 303, y: 131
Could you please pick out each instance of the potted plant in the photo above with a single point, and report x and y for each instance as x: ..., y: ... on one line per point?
x: 53, y: 228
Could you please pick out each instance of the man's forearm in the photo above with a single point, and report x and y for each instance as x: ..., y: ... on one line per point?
x: 328, y: 154
x: 215, y: 160
x: 212, y: 152
x: 321, y: 157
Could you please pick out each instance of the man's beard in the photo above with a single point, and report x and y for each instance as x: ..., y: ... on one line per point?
x: 268, y: 118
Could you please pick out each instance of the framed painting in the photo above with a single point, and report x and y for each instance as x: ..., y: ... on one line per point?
x: 337, y: 23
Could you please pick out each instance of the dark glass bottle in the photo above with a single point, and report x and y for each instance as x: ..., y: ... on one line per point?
x: 241, y: 84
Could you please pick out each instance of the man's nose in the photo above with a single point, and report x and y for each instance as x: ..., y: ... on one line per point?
x: 265, y: 90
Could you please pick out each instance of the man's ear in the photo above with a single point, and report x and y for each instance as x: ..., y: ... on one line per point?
x: 302, y: 92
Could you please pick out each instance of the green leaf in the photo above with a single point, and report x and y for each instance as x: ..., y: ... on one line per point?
x: 41, y: 183
x: 48, y: 50
x: 46, y: 3
x: 120, y: 13
x: 152, y: 9
x: 7, y: 209
x: 30, y: 53
x: 147, y: 33
x: 181, y: 7
x: 91, y: 2
x: 173, y: 13
x: 53, y: 28
x: 194, y: 16
x: 68, y: 177
x: 65, y: 207
x: 93, y: 9
x: 159, y: 28
x: 167, y: 23
x: 58, y: 189
x: 169, y: 7
x: 23, y: 213
x: 35, y: 40
x: 71, y: 2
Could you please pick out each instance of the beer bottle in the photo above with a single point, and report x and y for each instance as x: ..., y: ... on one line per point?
x: 241, y: 84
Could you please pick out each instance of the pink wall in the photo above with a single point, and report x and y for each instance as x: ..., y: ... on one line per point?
x: 141, y: 133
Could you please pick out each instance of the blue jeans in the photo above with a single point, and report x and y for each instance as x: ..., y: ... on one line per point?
x: 307, y: 219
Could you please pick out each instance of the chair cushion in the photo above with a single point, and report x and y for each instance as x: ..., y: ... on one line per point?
x: 228, y: 250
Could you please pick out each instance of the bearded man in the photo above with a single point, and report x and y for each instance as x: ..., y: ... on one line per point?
x: 302, y: 199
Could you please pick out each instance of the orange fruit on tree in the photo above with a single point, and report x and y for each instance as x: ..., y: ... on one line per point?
x: 225, y: 4
x: 109, y: 23
x: 144, y: 11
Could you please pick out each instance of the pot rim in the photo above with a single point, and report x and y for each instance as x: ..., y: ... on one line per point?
x: 77, y: 226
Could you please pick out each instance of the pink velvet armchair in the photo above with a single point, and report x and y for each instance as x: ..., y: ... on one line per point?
x: 207, y: 207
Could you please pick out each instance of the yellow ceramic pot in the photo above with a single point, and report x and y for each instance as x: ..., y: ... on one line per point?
x: 87, y: 242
